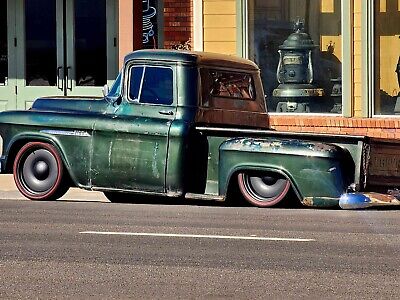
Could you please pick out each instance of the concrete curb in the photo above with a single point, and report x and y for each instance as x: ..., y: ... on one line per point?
x: 9, y: 191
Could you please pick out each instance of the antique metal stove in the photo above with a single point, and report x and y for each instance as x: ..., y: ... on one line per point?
x: 295, y: 73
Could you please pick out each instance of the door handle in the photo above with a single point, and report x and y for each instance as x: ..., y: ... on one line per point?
x: 60, y: 79
x: 69, y: 79
x: 166, y: 112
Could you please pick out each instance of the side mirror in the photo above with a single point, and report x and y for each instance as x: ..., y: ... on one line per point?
x: 106, y: 90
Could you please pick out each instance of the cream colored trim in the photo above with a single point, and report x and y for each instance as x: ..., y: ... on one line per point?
x: 242, y: 31
x: 198, y: 32
x: 347, y: 63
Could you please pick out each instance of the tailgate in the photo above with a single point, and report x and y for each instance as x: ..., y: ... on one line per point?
x: 383, y: 164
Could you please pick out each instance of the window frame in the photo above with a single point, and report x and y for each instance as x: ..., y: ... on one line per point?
x: 367, y: 56
x: 6, y: 38
x: 224, y: 71
x: 368, y: 62
x: 128, y: 84
x: 8, y: 91
x: 347, y: 8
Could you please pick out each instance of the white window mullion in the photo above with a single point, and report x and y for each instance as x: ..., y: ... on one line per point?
x: 347, y: 52
x: 198, y: 25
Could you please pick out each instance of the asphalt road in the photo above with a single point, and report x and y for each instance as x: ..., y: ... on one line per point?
x: 102, y: 250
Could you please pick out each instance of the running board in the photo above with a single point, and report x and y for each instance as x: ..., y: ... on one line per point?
x: 204, y: 197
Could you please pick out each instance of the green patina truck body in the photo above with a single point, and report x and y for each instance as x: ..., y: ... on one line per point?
x: 185, y: 124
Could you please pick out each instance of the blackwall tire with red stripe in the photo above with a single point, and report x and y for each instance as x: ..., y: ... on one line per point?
x: 39, y: 172
x: 263, y: 189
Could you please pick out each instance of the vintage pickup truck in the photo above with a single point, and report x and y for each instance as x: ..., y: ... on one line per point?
x: 193, y: 125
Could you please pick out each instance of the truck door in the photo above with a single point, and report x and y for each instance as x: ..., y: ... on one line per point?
x: 131, y: 142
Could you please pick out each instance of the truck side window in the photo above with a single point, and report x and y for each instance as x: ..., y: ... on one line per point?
x: 135, y: 80
x: 157, y: 86
x: 115, y: 90
x: 231, y: 85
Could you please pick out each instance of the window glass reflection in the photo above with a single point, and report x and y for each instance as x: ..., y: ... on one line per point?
x: 387, y: 57
x: 3, y: 43
x: 270, y: 24
x: 90, y: 42
x: 41, y: 44
x: 157, y: 86
x: 135, y: 80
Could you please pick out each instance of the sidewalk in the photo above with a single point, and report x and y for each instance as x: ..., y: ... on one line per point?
x: 8, y: 190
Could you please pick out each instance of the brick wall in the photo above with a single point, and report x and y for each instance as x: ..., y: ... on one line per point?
x: 374, y: 127
x: 178, y: 22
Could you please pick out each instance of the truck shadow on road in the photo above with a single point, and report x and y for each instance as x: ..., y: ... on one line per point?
x: 201, y: 203
x: 234, y: 200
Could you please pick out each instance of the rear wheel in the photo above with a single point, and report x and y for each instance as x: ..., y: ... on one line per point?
x: 263, y: 189
x: 39, y: 172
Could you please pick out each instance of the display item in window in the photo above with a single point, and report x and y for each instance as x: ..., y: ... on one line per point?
x: 295, y: 73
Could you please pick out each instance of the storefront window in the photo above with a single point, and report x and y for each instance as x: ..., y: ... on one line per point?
x: 3, y: 43
x: 41, y: 45
x: 301, y: 73
x: 387, y: 57
x: 90, y: 42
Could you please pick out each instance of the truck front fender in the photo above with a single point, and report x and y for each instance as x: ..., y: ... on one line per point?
x: 21, y: 139
x: 319, y: 172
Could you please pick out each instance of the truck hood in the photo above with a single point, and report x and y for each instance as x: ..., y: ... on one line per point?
x: 70, y: 105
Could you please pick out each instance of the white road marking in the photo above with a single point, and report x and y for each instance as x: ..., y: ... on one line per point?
x: 224, y: 237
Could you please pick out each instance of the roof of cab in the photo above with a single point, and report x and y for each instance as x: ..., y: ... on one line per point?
x: 192, y: 57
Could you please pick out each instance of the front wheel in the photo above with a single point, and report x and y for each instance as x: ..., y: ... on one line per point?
x: 263, y: 189
x: 39, y: 172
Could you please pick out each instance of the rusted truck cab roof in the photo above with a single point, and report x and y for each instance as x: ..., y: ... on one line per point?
x: 225, y: 90
x: 193, y: 57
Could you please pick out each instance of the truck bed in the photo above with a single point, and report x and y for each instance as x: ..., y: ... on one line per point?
x: 376, y: 161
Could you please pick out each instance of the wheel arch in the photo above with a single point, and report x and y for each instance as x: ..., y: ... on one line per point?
x: 232, y: 175
x: 313, y: 169
x: 22, y: 139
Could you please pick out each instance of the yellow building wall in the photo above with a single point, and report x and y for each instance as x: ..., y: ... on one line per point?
x: 219, y: 25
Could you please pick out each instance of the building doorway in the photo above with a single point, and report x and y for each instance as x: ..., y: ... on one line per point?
x: 59, y: 48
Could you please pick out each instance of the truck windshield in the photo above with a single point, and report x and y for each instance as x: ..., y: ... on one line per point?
x: 115, y: 90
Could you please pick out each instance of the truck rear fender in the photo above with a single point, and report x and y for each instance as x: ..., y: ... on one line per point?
x: 20, y: 140
x: 314, y: 169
